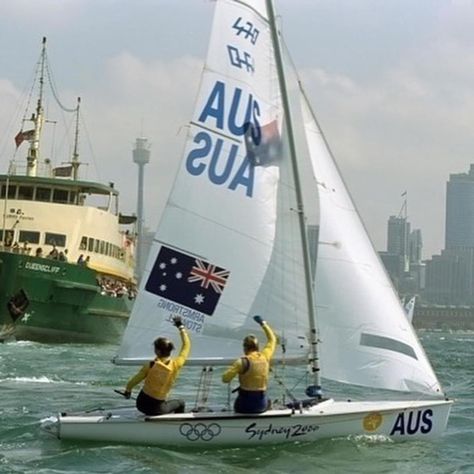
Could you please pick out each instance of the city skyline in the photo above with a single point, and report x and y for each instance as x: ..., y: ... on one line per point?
x: 390, y: 83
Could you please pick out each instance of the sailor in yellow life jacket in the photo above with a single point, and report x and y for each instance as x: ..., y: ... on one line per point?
x: 160, y: 375
x: 253, y: 370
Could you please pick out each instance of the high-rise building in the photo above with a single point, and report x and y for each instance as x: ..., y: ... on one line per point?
x: 402, y: 259
x: 460, y: 210
x: 450, y: 277
x: 415, y: 246
x: 398, y: 230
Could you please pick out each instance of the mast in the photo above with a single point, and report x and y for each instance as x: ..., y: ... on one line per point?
x: 314, y: 390
x: 37, y: 119
x: 75, y: 155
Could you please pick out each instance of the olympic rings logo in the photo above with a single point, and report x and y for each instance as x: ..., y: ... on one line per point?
x: 200, y: 431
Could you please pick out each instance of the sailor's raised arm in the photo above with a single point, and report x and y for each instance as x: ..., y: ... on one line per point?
x: 269, y: 348
x: 185, y: 342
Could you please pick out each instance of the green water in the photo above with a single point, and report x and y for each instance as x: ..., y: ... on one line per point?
x: 37, y: 380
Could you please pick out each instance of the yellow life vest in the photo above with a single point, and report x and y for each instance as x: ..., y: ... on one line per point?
x: 159, y: 379
x: 255, y: 377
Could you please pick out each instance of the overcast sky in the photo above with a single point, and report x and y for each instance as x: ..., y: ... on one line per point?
x: 391, y: 82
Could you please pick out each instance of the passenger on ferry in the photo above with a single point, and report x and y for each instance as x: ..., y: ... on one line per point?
x: 253, y: 369
x: 8, y: 238
x: 120, y: 289
x: 25, y: 249
x: 63, y: 256
x: 80, y: 260
x: 54, y: 253
x: 132, y: 292
x: 39, y: 252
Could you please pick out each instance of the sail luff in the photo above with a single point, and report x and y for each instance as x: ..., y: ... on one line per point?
x: 314, y: 357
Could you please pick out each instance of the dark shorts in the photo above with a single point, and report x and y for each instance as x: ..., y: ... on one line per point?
x: 151, y: 406
x: 251, y: 402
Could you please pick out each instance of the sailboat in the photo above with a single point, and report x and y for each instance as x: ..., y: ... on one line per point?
x: 410, y: 308
x: 259, y: 222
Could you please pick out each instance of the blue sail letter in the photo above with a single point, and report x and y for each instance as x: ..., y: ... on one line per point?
x: 191, y: 166
x: 214, y: 176
x: 244, y: 177
x: 215, y: 105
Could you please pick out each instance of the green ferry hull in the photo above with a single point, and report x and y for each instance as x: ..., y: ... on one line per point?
x: 64, y: 302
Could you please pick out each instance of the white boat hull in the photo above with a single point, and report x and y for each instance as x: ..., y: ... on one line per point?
x: 401, y: 420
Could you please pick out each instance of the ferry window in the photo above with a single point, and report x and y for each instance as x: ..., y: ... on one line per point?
x: 55, y: 239
x: 83, y: 244
x: 29, y: 236
x: 107, y: 248
x: 43, y: 194
x: 102, y: 247
x: 25, y: 192
x: 60, y: 195
x: 72, y: 197
x: 96, y: 246
x: 90, y: 247
x: 11, y: 192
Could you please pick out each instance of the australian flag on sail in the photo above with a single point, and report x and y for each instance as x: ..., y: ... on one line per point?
x: 268, y: 150
x: 187, y: 280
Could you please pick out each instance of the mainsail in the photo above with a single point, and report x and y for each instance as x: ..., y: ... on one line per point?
x: 366, y: 336
x: 228, y: 246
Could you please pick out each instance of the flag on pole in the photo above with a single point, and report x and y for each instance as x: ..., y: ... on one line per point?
x: 21, y: 136
x: 268, y: 148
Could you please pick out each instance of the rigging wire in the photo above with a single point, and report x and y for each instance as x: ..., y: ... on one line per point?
x: 67, y: 124
x: 27, y: 91
x: 53, y: 88
x: 89, y: 143
x: 202, y: 395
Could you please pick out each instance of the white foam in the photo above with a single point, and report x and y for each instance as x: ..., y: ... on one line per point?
x: 42, y: 379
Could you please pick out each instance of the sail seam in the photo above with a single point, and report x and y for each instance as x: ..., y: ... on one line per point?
x: 211, y: 130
